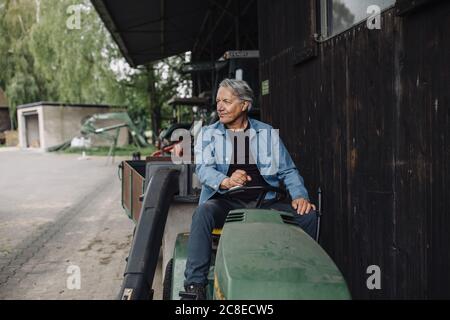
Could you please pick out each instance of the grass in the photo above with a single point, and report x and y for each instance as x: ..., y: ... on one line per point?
x: 103, y: 151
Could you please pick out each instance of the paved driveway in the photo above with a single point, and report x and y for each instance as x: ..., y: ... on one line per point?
x: 60, y: 217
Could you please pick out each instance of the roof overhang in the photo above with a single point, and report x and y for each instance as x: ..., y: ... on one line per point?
x: 151, y: 30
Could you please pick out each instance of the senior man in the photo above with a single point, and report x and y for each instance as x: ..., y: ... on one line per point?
x: 250, y: 163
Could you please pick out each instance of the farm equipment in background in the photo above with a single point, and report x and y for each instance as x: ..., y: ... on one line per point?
x: 197, y: 110
x: 91, y: 128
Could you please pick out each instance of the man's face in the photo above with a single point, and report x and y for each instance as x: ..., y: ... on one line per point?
x: 229, y: 107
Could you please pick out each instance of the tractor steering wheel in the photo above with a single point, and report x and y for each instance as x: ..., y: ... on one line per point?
x: 263, y: 190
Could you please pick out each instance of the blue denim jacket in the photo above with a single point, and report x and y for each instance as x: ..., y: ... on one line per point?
x: 213, y: 152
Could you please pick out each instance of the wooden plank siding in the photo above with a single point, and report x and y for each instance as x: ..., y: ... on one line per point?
x: 367, y: 119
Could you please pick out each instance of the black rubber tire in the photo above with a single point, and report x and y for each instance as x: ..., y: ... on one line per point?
x: 167, y: 283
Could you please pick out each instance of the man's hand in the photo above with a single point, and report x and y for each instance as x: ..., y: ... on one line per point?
x: 237, y: 179
x: 302, y: 206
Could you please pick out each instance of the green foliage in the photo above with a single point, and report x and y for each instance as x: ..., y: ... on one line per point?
x: 170, y: 81
x: 42, y: 59
x: 16, y: 61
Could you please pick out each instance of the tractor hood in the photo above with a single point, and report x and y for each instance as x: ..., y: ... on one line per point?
x: 263, y: 255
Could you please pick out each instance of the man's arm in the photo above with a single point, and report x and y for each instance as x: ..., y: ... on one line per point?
x: 288, y: 173
x: 206, y: 166
x: 205, y: 162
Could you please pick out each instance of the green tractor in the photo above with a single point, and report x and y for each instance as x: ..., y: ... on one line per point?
x: 260, y: 254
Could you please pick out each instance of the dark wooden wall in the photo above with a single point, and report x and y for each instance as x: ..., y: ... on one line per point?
x: 367, y: 119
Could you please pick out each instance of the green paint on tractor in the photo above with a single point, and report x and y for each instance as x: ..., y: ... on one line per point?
x: 262, y: 255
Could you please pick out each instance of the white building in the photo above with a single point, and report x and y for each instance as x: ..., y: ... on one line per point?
x: 46, y: 124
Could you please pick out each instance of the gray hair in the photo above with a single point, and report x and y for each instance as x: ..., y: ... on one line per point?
x: 240, y: 89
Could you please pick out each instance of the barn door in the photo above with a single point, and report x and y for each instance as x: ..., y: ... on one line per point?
x: 32, y: 131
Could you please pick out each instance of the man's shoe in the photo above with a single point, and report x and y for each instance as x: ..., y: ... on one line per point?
x: 194, y: 291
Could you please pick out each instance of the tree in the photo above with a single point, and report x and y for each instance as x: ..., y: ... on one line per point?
x: 16, y: 64
x: 75, y: 63
x: 168, y: 81
x: 43, y: 59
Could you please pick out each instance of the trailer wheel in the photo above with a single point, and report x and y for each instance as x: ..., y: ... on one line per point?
x: 167, y: 284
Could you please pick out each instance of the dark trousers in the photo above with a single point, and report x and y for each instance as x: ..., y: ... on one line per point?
x: 212, y: 214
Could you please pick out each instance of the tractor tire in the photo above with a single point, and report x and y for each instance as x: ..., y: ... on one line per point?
x: 167, y: 283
